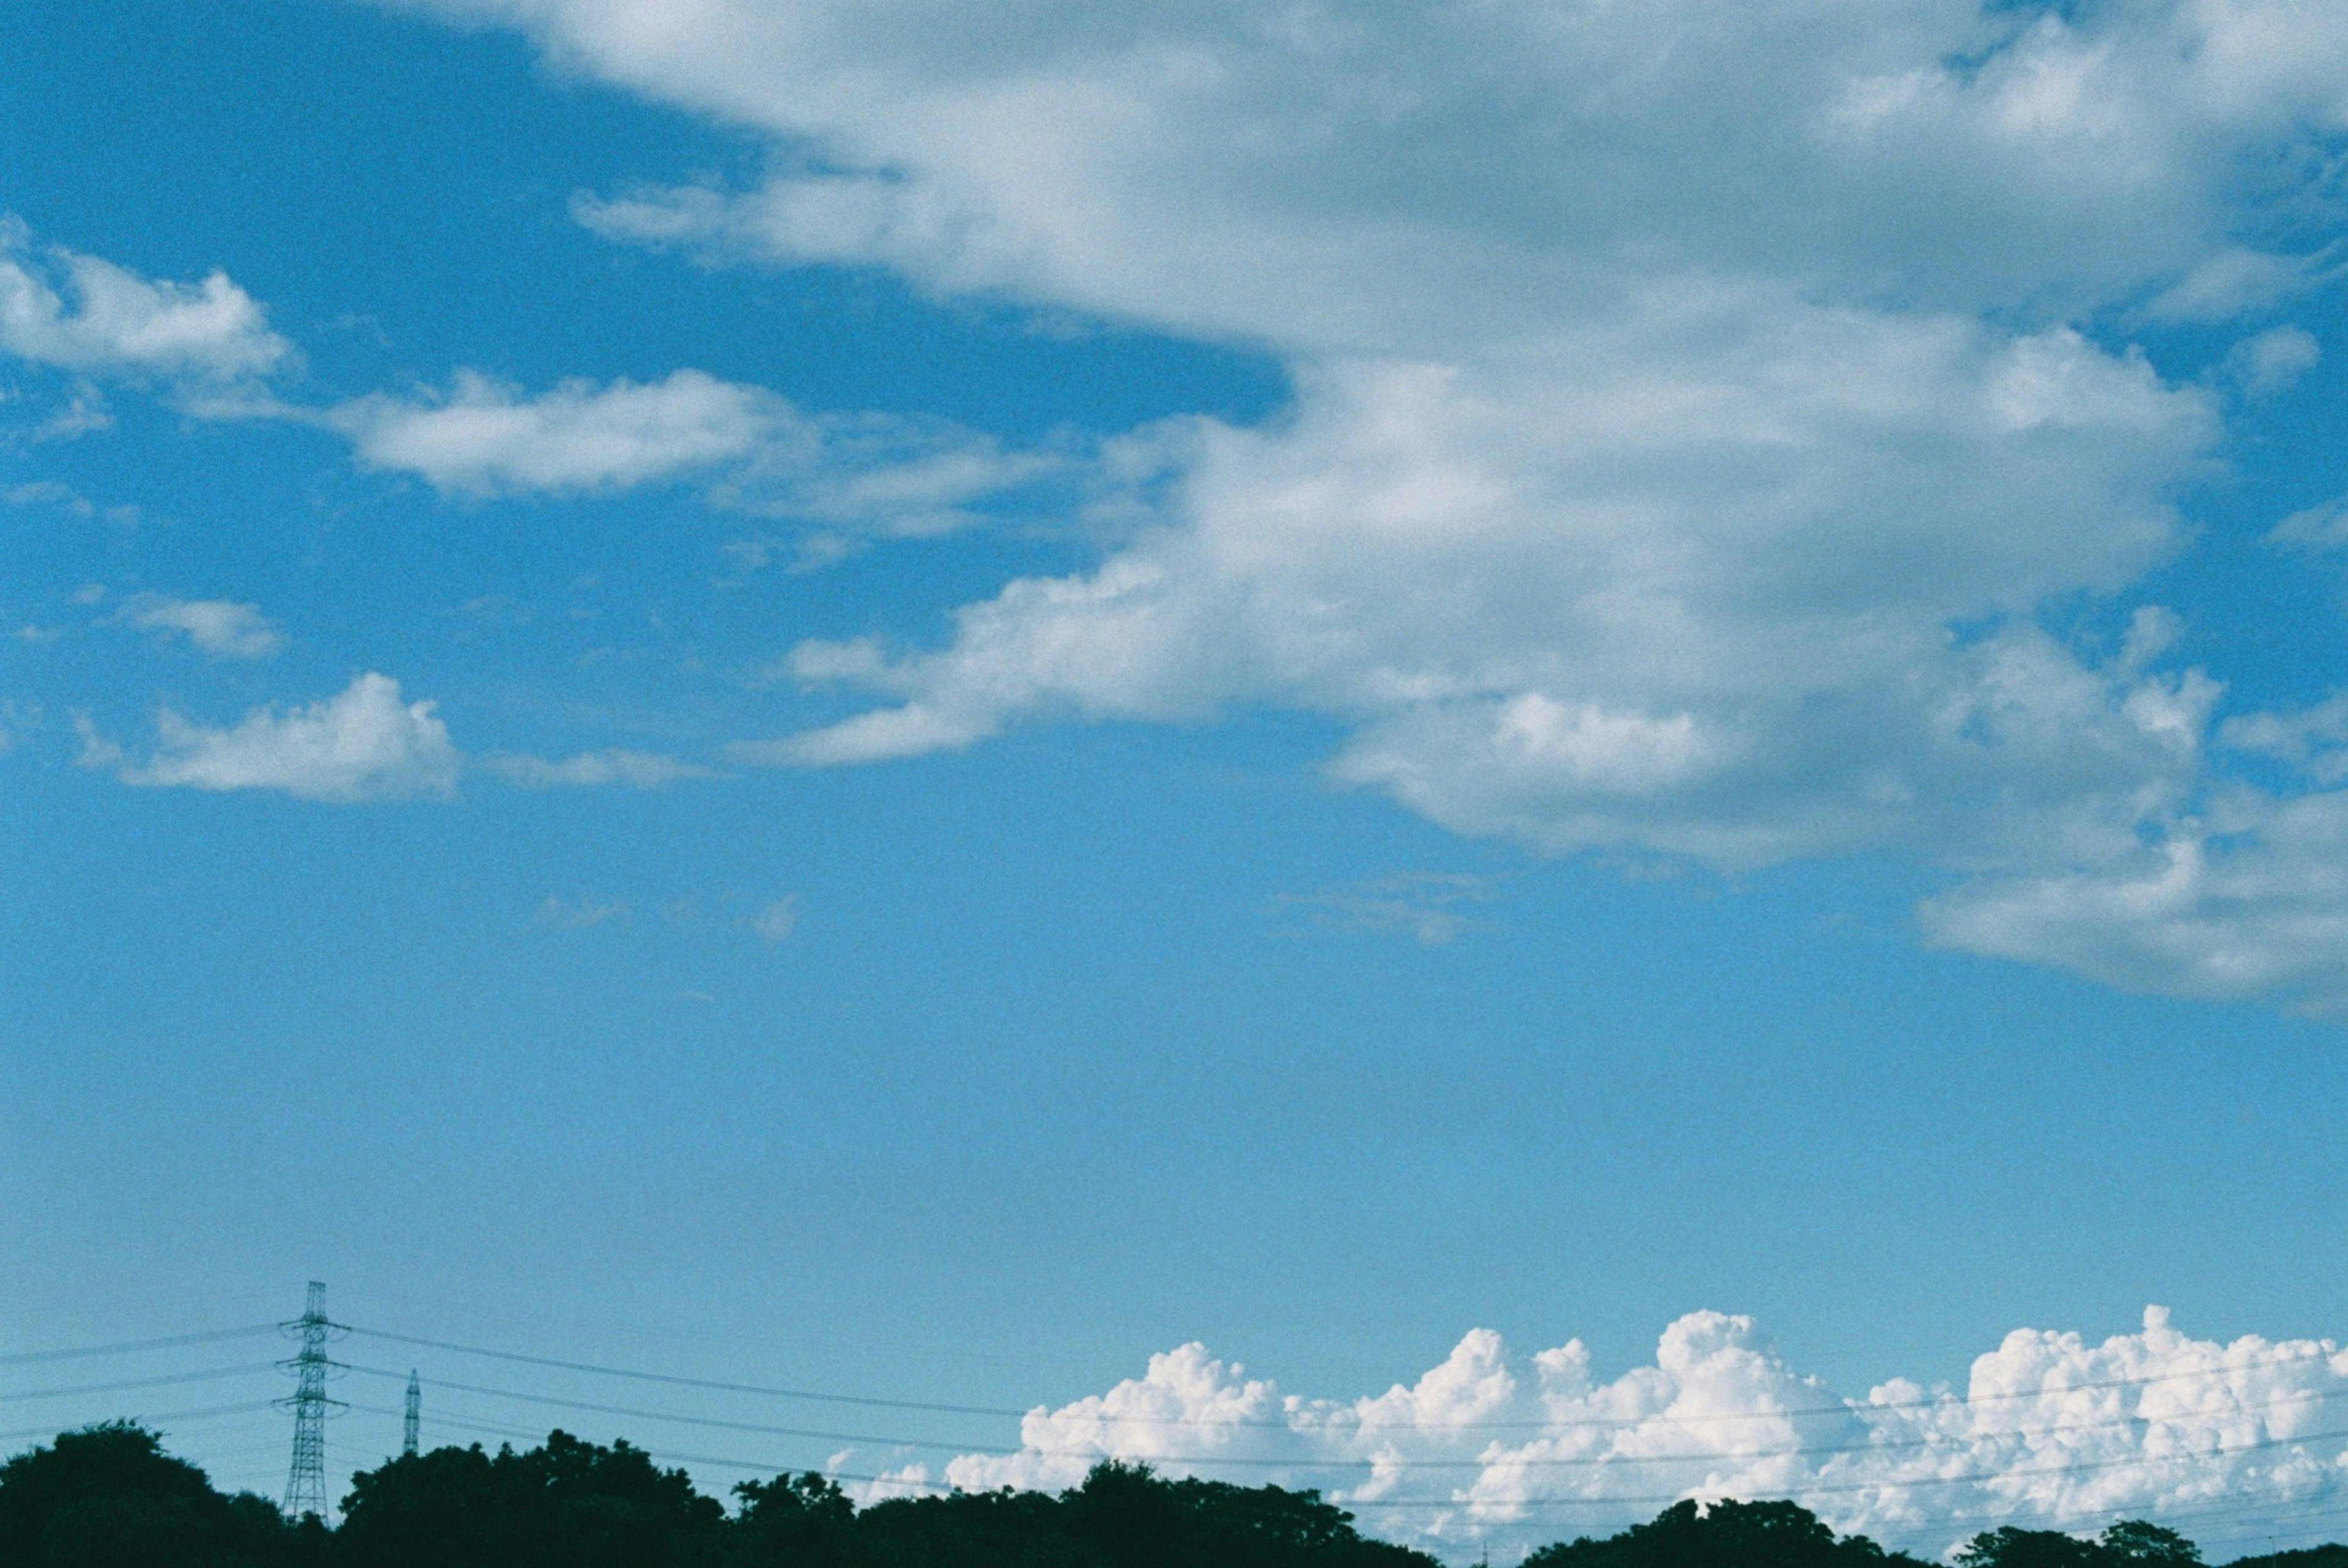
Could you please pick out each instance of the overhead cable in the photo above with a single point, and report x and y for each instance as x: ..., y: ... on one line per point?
x: 1848, y: 1408
x: 128, y: 1346
x: 1241, y: 1462
x: 247, y: 1369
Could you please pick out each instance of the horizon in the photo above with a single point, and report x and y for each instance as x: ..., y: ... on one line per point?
x: 1547, y: 703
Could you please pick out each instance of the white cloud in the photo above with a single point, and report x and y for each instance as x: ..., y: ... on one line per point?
x: 578, y: 914
x: 96, y: 751
x: 486, y: 439
x: 636, y: 770
x: 216, y: 626
x: 1686, y: 429
x: 2272, y: 361
x: 2249, y: 899
x: 1489, y: 1447
x: 2314, y: 739
x: 1350, y: 180
x: 1611, y: 597
x: 776, y: 921
x: 1429, y: 905
x: 2323, y: 527
x: 363, y: 744
x: 2237, y: 281
x: 870, y: 473
x: 82, y: 313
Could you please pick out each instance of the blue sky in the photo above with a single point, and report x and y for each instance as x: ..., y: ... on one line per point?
x: 923, y: 705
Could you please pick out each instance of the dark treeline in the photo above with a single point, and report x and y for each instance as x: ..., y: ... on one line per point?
x: 110, y: 1497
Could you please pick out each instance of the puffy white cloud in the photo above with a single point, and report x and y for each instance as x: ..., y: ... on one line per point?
x: 486, y: 439
x: 221, y: 628
x: 363, y: 744
x: 614, y: 766
x: 1697, y: 602
x: 82, y: 313
x: 1687, y: 430
x: 2247, y: 900
x: 2049, y: 1430
x: 1344, y: 180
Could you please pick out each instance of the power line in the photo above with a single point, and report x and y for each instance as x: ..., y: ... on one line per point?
x: 1922, y: 1483
x: 51, y: 1430
x: 1986, y: 1521
x: 244, y: 1370
x: 2220, y: 1373
x: 886, y: 1441
x: 1609, y: 1422
x: 128, y: 1346
x: 1913, y: 1484
x: 683, y: 1382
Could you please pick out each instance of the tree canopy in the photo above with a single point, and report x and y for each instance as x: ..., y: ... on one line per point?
x: 109, y: 1497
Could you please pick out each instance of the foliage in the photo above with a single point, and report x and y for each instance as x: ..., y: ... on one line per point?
x: 109, y: 1497
x: 1123, y: 1516
x: 564, y: 1504
x: 1727, y: 1534
x: 2130, y: 1543
x: 2313, y: 1557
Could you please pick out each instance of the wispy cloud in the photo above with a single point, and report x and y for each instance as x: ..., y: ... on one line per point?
x: 777, y: 920
x: 1435, y: 908
x: 219, y: 626
x: 635, y: 770
x: 578, y: 914
x: 838, y: 477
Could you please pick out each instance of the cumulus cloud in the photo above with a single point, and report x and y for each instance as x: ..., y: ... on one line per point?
x: 486, y: 439
x: 1618, y: 598
x: 1491, y: 1446
x: 1693, y: 413
x: 1350, y: 181
x: 858, y: 474
x: 365, y: 744
x: 219, y: 626
x: 83, y: 313
x: 614, y: 765
x: 2247, y: 900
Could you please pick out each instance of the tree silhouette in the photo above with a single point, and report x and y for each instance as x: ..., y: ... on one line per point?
x: 566, y: 1503
x: 109, y: 1497
x: 1727, y: 1534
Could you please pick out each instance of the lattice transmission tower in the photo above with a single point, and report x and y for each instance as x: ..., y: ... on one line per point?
x: 305, y: 1481
x: 411, y: 1426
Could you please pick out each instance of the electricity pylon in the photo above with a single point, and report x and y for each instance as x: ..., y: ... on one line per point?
x: 305, y: 1481
x: 412, y: 1426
